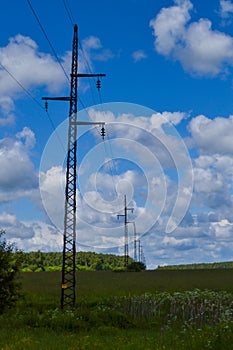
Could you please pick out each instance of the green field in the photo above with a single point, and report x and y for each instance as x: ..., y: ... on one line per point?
x: 161, y: 309
x: 103, y: 283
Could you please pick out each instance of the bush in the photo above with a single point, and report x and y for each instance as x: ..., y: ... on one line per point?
x: 136, y: 266
x: 10, y: 260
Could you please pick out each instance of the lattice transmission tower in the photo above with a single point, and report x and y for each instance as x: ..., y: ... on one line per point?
x: 126, y: 222
x: 68, y: 283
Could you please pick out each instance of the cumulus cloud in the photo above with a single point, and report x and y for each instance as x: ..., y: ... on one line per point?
x: 213, y: 188
x: 155, y: 121
x: 204, y: 130
x: 201, y: 236
x: 6, y: 109
x: 52, y: 193
x: 185, y: 41
x: 17, y: 171
x: 23, y: 64
x: 23, y: 60
x: 155, y: 152
x: 169, y: 26
x: 31, y: 236
x: 208, y: 180
x: 223, y: 229
x: 15, y: 228
x: 151, y: 131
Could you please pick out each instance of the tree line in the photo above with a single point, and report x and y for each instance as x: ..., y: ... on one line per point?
x: 40, y: 261
x: 215, y: 265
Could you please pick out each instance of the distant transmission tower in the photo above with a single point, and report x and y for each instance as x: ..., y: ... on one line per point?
x: 141, y: 256
x: 135, y: 240
x: 69, y: 239
x: 126, y: 246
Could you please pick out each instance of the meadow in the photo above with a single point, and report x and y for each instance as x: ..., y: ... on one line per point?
x: 161, y: 309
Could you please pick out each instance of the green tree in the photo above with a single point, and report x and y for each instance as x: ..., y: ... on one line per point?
x: 136, y: 266
x: 10, y: 260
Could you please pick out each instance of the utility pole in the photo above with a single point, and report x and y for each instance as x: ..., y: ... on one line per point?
x: 68, y: 283
x: 135, y: 240
x: 139, y: 250
x: 141, y: 256
x: 126, y: 246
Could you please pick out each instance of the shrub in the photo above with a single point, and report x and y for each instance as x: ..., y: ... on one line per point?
x: 136, y: 266
x: 10, y: 260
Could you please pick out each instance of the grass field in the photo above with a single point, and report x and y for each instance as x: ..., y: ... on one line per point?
x: 183, y: 309
x: 107, y: 282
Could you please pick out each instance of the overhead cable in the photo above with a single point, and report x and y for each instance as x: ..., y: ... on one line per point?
x: 47, y: 38
x: 69, y: 13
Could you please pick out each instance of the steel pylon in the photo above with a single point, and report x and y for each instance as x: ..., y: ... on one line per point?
x: 68, y: 283
x: 69, y: 240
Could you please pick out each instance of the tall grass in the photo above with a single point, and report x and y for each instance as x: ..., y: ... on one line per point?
x: 191, y: 308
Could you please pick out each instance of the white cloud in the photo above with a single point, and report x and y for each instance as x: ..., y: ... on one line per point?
x: 29, y: 66
x: 91, y: 42
x: 17, y: 171
x: 92, y: 50
x: 187, y: 42
x: 223, y: 229
x: 14, y: 228
x: 153, y: 146
x: 199, y: 238
x: 154, y: 121
x: 6, y: 109
x: 169, y: 26
x: 213, y: 188
x: 9, y: 120
x: 204, y: 131
x: 31, y: 236
x: 6, y: 104
x: 226, y: 8
x: 52, y: 194
x: 197, y: 56
x: 28, y: 135
x: 139, y: 55
x: 166, y: 146
x: 46, y: 237
x: 184, y: 243
x: 208, y: 180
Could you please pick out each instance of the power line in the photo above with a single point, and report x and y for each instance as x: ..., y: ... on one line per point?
x: 71, y: 19
x: 28, y: 93
x: 84, y: 56
x: 69, y: 13
x: 85, y: 59
x: 21, y: 86
x: 47, y: 38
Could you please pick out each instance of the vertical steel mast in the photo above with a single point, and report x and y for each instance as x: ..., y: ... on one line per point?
x: 69, y: 237
x: 126, y: 222
x: 69, y: 243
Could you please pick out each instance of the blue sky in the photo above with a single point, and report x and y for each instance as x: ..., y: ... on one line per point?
x: 167, y: 102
